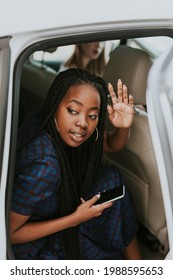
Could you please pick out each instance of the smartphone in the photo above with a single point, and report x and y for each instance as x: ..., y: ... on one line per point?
x: 111, y: 195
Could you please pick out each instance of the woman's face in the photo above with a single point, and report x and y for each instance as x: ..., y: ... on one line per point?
x: 91, y: 50
x: 77, y: 114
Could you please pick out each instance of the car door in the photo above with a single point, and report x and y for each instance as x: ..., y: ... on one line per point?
x: 4, y: 136
x: 160, y: 113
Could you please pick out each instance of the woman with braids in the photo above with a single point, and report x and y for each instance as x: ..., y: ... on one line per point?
x: 58, y: 169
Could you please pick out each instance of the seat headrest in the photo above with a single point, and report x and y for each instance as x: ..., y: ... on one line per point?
x: 131, y: 66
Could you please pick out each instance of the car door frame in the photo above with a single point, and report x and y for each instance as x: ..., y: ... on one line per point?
x: 4, y: 135
x: 160, y: 114
x: 32, y: 41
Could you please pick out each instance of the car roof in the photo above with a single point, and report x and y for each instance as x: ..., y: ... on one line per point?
x: 25, y: 16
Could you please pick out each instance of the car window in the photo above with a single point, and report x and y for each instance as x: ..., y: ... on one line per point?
x: 62, y: 53
x: 155, y: 46
x: 54, y: 57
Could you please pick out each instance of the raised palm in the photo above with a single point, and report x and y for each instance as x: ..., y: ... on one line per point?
x: 121, y: 113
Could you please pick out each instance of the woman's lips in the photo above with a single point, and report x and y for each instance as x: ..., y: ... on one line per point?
x: 77, y: 137
x: 95, y: 52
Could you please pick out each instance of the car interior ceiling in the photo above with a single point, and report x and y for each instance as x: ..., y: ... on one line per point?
x: 137, y: 159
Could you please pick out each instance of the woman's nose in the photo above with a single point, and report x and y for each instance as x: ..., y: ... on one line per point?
x: 97, y: 44
x: 82, y: 122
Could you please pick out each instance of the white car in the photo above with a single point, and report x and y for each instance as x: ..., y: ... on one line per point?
x: 37, y: 36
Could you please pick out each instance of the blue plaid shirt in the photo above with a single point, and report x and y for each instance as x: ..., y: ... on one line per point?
x: 37, y: 179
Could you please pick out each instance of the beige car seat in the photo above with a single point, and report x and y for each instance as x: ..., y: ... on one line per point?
x: 137, y: 159
x: 36, y: 79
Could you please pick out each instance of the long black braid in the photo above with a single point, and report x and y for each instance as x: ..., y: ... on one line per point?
x: 79, y: 166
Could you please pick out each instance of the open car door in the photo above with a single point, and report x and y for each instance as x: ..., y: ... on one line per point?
x: 4, y: 135
x: 160, y: 115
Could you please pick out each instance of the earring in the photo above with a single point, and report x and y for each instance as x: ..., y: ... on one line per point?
x: 97, y: 134
x: 56, y: 124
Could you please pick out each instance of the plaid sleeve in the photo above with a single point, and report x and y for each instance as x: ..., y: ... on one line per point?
x: 35, y: 182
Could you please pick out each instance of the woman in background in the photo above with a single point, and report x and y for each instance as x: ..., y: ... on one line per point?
x: 89, y: 56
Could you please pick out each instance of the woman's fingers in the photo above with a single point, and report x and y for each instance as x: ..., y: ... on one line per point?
x: 102, y: 206
x: 82, y: 200
x: 122, y: 94
x: 88, y: 210
x: 94, y: 199
x: 120, y: 90
x: 131, y: 101
x: 112, y: 93
x: 125, y: 95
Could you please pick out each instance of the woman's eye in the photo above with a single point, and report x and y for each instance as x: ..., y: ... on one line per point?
x: 71, y: 111
x: 93, y: 117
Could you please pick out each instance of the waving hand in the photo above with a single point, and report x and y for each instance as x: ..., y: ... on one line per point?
x: 121, y: 113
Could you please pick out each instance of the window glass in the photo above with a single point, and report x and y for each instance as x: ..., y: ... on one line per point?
x: 153, y: 45
x: 61, y: 54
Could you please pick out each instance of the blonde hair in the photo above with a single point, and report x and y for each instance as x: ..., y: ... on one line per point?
x: 95, y: 66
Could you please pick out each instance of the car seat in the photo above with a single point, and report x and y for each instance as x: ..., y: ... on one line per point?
x: 137, y: 160
x: 36, y: 79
